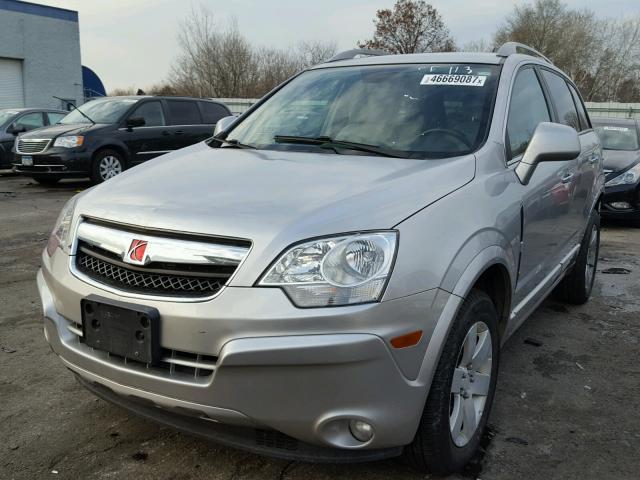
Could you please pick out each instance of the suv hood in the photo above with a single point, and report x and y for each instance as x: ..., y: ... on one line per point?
x: 273, y: 198
x: 620, y: 160
x: 54, y: 131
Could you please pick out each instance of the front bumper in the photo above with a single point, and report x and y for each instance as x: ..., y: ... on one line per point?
x: 301, y: 372
x: 59, y: 162
x: 621, y: 193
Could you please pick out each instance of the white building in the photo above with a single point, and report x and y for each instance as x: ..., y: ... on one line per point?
x: 39, y: 56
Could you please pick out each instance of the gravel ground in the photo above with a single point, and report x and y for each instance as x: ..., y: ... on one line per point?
x: 566, y: 407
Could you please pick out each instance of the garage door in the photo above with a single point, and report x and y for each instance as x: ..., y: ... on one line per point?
x: 11, y: 93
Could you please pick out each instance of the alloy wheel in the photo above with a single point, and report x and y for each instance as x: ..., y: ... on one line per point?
x: 470, y: 384
x: 109, y: 167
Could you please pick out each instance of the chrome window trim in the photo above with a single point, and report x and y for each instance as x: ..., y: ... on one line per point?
x: 162, y: 298
x: 152, y: 152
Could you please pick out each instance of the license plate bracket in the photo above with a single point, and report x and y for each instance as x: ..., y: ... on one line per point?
x: 27, y: 160
x: 128, y: 330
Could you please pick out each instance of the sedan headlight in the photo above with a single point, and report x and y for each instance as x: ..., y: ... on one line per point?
x: 60, y: 236
x: 342, y: 270
x: 69, y: 141
x: 629, y: 177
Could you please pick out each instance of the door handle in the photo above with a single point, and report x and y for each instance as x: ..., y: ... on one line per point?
x: 179, y: 132
x: 567, y: 178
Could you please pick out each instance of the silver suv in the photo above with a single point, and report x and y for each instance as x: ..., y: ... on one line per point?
x: 331, y: 276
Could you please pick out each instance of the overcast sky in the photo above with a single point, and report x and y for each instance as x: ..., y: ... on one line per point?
x: 132, y: 43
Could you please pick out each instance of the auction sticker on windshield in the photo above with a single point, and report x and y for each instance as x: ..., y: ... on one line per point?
x: 461, y: 80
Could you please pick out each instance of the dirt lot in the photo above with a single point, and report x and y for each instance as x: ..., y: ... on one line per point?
x: 567, y: 402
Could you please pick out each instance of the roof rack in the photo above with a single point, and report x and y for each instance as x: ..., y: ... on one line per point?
x: 511, y: 48
x: 357, y: 53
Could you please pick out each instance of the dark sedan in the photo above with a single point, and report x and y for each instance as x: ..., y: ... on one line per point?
x: 621, y: 144
x: 14, y: 121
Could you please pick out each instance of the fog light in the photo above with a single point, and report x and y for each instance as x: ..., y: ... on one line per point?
x: 361, y: 430
x: 620, y: 205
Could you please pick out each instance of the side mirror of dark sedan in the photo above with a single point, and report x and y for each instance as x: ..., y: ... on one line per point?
x: 551, y: 142
x: 133, y: 122
x: 12, y: 129
x: 223, y: 124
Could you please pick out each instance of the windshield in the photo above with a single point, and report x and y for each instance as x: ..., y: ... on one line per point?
x: 6, y: 115
x: 422, y: 110
x: 106, y: 110
x: 618, y: 137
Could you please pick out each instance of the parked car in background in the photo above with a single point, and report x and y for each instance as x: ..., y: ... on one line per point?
x: 621, y: 143
x: 14, y: 121
x: 105, y: 136
x: 332, y: 275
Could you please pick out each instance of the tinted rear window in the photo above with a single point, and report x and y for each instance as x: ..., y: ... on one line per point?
x: 212, y: 112
x: 562, y: 99
x: 183, y: 112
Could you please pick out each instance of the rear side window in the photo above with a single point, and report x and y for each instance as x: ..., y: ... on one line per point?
x: 212, y: 112
x: 183, y: 112
x: 562, y: 99
x: 527, y: 109
x: 55, y: 117
x: 582, y: 112
x: 152, y: 114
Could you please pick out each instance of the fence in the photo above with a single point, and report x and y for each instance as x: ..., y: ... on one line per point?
x: 596, y: 109
x: 237, y: 105
x: 614, y: 109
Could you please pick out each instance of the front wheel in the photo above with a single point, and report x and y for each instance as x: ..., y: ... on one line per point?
x: 461, y: 393
x: 106, y: 164
x: 576, y: 286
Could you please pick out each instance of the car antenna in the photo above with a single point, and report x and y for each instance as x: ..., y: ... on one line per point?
x: 75, y: 108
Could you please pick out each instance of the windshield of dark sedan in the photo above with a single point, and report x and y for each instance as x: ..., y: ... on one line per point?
x: 618, y: 137
x: 423, y: 110
x: 106, y: 110
x: 6, y: 115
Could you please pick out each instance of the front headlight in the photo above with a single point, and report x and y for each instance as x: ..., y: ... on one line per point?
x: 60, y: 236
x: 629, y: 177
x: 342, y: 270
x: 69, y: 141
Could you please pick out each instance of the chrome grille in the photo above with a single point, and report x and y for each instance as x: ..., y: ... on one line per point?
x: 28, y: 145
x: 143, y: 282
x: 183, y: 267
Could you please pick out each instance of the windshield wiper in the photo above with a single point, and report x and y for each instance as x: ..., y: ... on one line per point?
x: 328, y: 142
x: 235, y: 143
x: 74, y: 108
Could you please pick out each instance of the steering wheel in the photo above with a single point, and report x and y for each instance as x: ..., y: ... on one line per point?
x: 448, y: 131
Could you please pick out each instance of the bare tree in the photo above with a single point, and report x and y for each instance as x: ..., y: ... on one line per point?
x: 481, y: 45
x: 601, y: 55
x: 220, y: 62
x: 317, y: 52
x: 413, y: 26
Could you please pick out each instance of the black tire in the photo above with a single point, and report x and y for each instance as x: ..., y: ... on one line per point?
x: 97, y: 176
x: 433, y: 448
x: 575, y: 288
x: 48, y: 181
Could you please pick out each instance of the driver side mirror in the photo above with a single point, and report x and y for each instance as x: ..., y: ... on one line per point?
x: 223, y: 124
x: 133, y: 122
x: 12, y: 129
x: 551, y: 142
